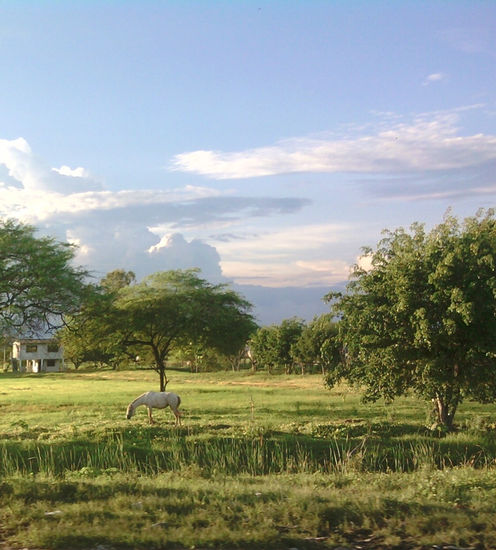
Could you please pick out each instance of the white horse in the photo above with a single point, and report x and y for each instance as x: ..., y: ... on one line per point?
x: 156, y: 400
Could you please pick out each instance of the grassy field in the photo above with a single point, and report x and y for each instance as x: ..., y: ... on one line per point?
x: 260, y: 462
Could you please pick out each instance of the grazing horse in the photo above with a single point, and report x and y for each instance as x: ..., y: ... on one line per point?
x: 156, y: 400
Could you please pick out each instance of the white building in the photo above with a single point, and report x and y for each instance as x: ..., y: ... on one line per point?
x: 37, y: 355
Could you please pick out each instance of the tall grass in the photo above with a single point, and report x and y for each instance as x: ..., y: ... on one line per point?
x: 238, y: 455
x: 260, y: 462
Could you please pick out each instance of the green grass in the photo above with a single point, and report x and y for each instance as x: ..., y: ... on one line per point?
x: 260, y: 462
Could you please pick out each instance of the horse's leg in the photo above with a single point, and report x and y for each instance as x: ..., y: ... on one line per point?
x: 177, y: 414
x: 150, y: 415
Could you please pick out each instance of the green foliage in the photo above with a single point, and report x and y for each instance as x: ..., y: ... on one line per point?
x: 198, y: 358
x: 294, y: 345
x: 171, y: 309
x: 117, y: 279
x: 272, y: 346
x: 318, y: 347
x: 38, y: 284
x: 90, y: 336
x: 424, y: 316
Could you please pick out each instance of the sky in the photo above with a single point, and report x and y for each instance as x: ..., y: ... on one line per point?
x: 263, y: 142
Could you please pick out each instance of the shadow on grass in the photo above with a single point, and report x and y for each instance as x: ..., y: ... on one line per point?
x: 152, y: 450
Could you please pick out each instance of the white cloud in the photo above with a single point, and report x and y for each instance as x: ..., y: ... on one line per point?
x: 288, y: 257
x: 282, y: 243
x: 175, y: 252
x: 429, y: 142
x: 79, y: 172
x: 132, y: 229
x: 31, y: 174
x: 325, y: 266
x: 36, y: 193
x: 434, y: 77
x: 289, y: 273
x: 83, y: 251
x: 365, y: 262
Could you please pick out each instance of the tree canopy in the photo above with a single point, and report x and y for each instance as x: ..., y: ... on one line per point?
x: 38, y: 283
x: 295, y: 345
x: 318, y: 345
x: 272, y: 346
x: 90, y: 335
x: 172, y: 308
x: 424, y: 316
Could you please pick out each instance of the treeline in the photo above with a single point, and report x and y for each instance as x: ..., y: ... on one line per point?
x: 293, y: 346
x: 92, y: 338
x: 296, y: 347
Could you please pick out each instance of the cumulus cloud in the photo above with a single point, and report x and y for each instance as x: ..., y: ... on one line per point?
x: 428, y: 143
x: 175, y: 252
x: 34, y: 192
x: 31, y: 174
x: 132, y: 229
x: 133, y: 247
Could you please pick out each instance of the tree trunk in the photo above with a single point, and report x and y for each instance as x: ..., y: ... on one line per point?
x: 163, y: 377
x: 446, y: 409
x: 160, y: 367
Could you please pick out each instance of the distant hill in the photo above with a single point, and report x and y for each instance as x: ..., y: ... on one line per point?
x: 272, y: 305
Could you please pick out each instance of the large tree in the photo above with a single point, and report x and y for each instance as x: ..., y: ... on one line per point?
x: 171, y: 308
x: 39, y: 284
x: 423, y: 317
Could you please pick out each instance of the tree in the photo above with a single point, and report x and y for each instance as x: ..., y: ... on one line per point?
x: 90, y: 335
x: 288, y: 333
x: 117, y: 279
x: 38, y: 283
x: 272, y: 346
x: 424, y: 316
x: 318, y: 345
x: 263, y: 346
x: 171, y: 308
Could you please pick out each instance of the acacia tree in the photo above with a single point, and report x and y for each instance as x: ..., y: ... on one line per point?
x: 38, y: 283
x: 170, y: 308
x: 424, y: 316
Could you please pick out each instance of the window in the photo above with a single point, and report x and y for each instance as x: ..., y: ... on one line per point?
x: 50, y: 362
x: 53, y: 348
x: 31, y: 348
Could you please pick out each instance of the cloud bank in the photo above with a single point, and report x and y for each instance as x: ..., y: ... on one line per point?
x: 132, y: 229
x: 246, y: 238
x: 428, y: 143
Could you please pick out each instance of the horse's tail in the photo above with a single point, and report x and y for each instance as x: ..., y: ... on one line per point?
x: 178, y: 400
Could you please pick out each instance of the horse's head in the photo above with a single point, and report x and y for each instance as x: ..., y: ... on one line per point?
x: 129, y: 412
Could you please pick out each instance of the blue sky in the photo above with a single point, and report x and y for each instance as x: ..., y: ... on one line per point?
x: 264, y: 142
